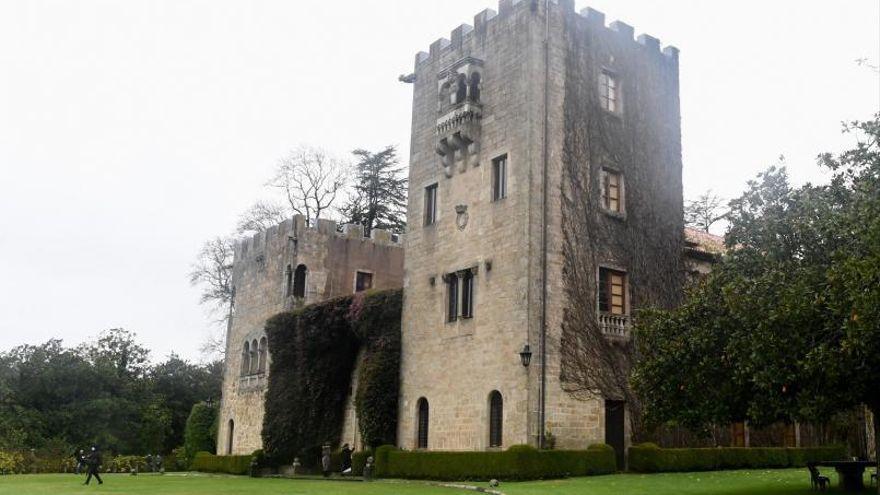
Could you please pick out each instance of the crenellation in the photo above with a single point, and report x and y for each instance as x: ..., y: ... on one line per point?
x: 505, y: 7
x: 326, y: 226
x: 671, y: 52
x: 481, y: 20
x: 593, y: 16
x: 353, y: 231
x: 438, y: 46
x: 422, y: 57
x: 458, y: 34
x: 381, y: 236
x: 623, y: 29
x: 649, y: 42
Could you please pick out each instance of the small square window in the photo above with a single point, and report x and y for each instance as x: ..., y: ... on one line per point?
x: 609, y: 91
x: 363, y: 281
x: 612, y: 191
x: 612, y: 291
x: 431, y: 204
x: 499, y: 178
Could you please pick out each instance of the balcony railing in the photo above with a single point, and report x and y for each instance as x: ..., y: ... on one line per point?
x: 250, y: 382
x: 614, y: 325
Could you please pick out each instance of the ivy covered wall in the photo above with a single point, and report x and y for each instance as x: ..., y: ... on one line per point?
x: 314, y: 350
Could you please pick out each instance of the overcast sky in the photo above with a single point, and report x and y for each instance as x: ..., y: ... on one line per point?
x: 131, y: 131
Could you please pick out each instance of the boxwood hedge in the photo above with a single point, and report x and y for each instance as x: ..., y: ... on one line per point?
x: 649, y: 458
x: 519, y: 462
x: 230, y: 464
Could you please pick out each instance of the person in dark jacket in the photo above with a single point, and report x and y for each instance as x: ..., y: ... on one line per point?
x: 346, y: 460
x: 80, y: 456
x: 94, y: 462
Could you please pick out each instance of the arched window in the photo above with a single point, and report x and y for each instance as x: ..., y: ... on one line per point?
x: 264, y: 348
x: 422, y: 439
x: 496, y: 418
x: 246, y: 359
x: 229, y: 436
x: 299, y: 281
x: 288, y: 273
x: 475, y: 87
x: 255, y: 357
x: 461, y: 88
x: 445, y: 95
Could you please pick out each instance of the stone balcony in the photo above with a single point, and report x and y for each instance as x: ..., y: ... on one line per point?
x: 614, y: 325
x: 458, y: 135
x: 252, y: 382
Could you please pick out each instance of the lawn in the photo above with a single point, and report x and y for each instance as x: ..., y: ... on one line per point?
x: 758, y: 482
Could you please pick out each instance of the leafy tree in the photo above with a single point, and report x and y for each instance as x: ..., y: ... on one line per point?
x: 54, y: 397
x: 379, y: 198
x: 787, y: 327
x: 201, y: 430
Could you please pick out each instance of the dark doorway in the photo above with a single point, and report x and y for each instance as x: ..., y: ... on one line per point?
x: 615, y: 417
x: 299, y: 281
x: 231, y: 434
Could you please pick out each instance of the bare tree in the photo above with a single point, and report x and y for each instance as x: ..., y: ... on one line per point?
x: 261, y: 216
x: 705, y: 211
x: 310, y: 180
x: 212, y: 272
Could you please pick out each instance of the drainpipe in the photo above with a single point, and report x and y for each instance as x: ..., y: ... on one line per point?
x: 545, y: 158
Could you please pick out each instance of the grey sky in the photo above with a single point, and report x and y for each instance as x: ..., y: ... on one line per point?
x: 131, y: 131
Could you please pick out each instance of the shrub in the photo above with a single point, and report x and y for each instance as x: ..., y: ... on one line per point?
x: 200, y: 434
x: 230, y: 464
x: 648, y: 458
x: 519, y: 462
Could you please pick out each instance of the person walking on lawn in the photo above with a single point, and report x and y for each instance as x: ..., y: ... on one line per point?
x: 94, y: 462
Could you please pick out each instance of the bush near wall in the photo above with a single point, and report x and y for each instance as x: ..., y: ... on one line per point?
x: 519, y: 462
x: 229, y: 464
x: 649, y: 458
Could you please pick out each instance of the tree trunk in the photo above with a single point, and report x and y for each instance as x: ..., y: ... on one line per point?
x: 875, y: 412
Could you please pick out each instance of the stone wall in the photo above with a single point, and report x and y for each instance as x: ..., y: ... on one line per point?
x: 260, y: 281
x: 455, y: 366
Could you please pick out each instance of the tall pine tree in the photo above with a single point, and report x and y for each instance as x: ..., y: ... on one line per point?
x: 379, y: 197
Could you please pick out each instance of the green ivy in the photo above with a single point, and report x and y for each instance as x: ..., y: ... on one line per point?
x: 314, y: 352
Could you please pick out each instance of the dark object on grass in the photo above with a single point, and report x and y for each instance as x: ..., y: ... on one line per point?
x: 325, y: 459
x: 368, y: 469
x: 817, y: 481
x: 345, y: 466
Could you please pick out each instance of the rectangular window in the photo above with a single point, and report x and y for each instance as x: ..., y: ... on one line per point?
x: 499, y: 178
x: 612, y: 190
x: 431, y: 204
x: 467, y: 294
x: 609, y: 92
x: 452, y: 297
x: 363, y: 281
x: 612, y: 291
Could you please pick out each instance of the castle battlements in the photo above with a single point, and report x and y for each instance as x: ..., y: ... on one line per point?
x: 484, y: 19
x: 298, y: 228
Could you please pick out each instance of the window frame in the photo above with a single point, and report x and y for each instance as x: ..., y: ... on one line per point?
x: 423, y: 423
x: 608, y: 292
x: 452, y: 297
x: 496, y: 420
x: 606, y: 174
x: 359, y: 272
x: 499, y: 177
x: 430, y: 204
x: 467, y: 294
x: 613, y: 102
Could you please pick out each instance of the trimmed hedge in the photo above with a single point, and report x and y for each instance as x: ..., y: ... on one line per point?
x: 230, y: 464
x: 649, y: 458
x: 520, y: 462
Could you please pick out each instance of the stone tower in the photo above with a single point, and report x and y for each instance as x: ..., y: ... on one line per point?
x: 505, y: 114
x: 290, y: 265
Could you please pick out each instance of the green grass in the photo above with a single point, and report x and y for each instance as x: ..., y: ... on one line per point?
x: 754, y: 482
x: 203, y: 484
x: 751, y: 482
